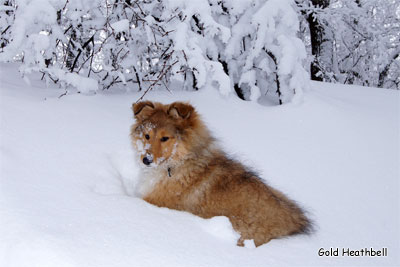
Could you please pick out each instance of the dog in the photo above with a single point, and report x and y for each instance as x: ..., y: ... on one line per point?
x: 184, y: 169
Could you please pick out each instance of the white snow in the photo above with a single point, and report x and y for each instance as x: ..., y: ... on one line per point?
x: 82, y: 84
x: 221, y: 227
x: 249, y: 243
x: 121, y: 25
x: 68, y: 176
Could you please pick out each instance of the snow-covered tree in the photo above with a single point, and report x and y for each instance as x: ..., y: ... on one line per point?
x: 360, y: 41
x: 248, y: 47
x: 7, y: 8
x: 264, y: 55
x: 321, y: 40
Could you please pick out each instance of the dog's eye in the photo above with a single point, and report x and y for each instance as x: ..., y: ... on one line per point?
x: 147, y: 136
x: 164, y: 138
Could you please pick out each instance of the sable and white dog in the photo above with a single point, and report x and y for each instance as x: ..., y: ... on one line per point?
x: 186, y: 170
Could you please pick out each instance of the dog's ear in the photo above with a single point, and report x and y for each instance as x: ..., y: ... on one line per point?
x: 180, y: 110
x: 142, y: 109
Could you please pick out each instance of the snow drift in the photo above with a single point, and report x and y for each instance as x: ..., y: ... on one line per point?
x: 67, y: 176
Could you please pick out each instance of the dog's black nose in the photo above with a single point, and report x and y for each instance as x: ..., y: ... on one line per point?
x: 147, y: 161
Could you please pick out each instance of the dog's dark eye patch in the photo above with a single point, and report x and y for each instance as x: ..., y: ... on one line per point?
x: 164, y: 138
x: 147, y: 136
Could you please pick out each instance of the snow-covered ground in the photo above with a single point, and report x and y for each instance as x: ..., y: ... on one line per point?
x: 67, y: 173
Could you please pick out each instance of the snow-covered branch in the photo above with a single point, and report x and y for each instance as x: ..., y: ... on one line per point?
x: 143, y: 45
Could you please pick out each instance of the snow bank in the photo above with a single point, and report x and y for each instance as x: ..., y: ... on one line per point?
x: 67, y: 178
x: 221, y: 227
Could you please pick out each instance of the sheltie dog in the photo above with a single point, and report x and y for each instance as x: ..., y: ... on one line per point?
x: 184, y: 169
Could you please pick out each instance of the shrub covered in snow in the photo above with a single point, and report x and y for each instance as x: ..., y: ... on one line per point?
x: 246, y: 47
x: 354, y: 42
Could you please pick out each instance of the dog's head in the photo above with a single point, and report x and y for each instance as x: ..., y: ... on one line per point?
x: 162, y: 132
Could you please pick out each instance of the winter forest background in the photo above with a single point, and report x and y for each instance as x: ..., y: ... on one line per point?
x: 256, y: 49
